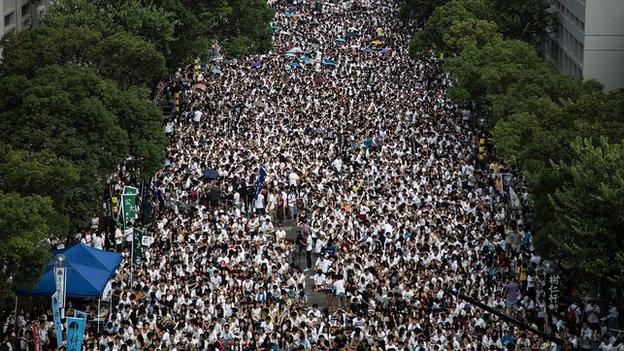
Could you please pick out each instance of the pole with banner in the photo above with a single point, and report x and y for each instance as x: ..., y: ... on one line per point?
x: 128, y: 204
x: 60, y: 281
x: 259, y: 182
x: 137, y: 246
x: 56, y: 318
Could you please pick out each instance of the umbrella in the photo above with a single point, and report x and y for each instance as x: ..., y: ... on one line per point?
x: 256, y: 64
x: 305, y: 59
x: 288, y: 14
x: 275, y: 28
x: 200, y: 86
x: 211, y: 174
x: 216, y: 70
x: 341, y: 40
x: 328, y: 62
x: 376, y: 42
x: 167, y: 163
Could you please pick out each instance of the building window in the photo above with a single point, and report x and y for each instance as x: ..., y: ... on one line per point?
x: 26, y: 9
x: 9, y: 19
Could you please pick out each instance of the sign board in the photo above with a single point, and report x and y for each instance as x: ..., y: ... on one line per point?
x: 553, y: 291
x: 75, y: 333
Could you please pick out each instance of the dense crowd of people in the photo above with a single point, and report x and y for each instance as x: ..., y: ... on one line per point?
x: 371, y: 175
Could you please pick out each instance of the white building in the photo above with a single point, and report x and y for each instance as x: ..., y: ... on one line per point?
x: 19, y: 15
x: 589, y: 40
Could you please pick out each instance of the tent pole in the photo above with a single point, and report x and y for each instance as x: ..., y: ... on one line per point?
x: 98, y: 316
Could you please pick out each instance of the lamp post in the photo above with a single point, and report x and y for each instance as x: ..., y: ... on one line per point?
x: 60, y: 279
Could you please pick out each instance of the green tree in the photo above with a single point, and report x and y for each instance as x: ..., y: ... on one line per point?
x: 502, y: 76
x: 61, y: 110
x: 86, y: 121
x: 439, y: 24
x: 123, y: 57
x: 419, y: 8
x: 471, y: 31
x: 527, y: 20
x: 27, y: 223
x: 129, y: 60
x: 589, y: 213
x: 32, y: 50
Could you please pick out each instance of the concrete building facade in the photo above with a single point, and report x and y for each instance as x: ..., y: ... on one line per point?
x: 589, y: 40
x: 19, y: 15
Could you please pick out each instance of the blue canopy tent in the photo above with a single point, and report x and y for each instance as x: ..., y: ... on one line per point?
x: 88, y: 272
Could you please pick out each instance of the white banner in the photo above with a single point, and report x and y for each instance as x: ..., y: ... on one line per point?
x: 147, y: 240
x: 59, y: 280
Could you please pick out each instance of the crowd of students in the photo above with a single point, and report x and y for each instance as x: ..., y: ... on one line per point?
x: 377, y: 173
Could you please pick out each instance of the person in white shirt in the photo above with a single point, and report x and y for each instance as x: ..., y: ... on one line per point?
x: 338, y: 289
x: 98, y: 241
x: 259, y: 204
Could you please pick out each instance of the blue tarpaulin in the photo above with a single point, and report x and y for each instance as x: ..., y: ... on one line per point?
x: 328, y: 62
x: 211, y: 174
x: 88, y: 272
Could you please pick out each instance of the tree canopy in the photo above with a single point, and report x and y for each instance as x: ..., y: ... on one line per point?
x: 69, y: 116
x: 27, y: 223
x: 589, y: 212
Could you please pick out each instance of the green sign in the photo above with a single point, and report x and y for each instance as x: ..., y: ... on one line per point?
x: 137, y: 246
x: 128, y: 208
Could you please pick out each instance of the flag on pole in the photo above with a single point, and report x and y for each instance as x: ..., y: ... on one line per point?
x: 137, y: 246
x: 128, y: 206
x: 259, y: 181
x: 56, y: 318
x: 514, y: 199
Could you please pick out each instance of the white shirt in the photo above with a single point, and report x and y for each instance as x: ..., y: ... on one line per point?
x: 259, y: 201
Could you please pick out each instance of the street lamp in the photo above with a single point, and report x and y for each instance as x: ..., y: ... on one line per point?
x: 59, y: 261
x: 481, y: 122
x: 548, y: 266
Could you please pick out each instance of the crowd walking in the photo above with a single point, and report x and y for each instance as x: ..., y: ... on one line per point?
x: 371, y: 175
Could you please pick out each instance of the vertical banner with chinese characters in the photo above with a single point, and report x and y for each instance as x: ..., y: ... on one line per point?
x: 59, y: 281
x: 75, y: 333
x: 137, y: 246
x: 128, y: 209
x: 56, y: 318
x: 553, y: 290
